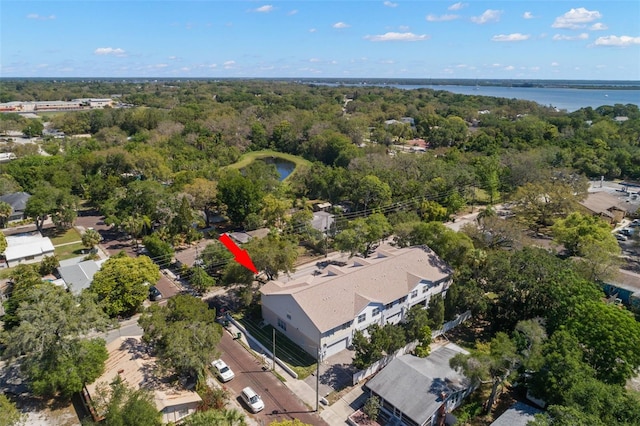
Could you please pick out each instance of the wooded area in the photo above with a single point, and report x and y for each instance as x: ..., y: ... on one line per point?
x: 158, y: 167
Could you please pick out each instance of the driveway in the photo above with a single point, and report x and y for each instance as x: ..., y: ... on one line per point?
x: 336, y: 373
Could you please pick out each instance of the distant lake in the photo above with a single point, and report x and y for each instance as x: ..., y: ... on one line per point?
x: 561, y: 98
x: 569, y: 99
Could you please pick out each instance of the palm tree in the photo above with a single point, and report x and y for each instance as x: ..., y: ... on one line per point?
x: 136, y: 226
x: 91, y: 238
x: 5, y: 212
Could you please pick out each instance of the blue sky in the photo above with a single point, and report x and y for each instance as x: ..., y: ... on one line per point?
x: 385, y: 39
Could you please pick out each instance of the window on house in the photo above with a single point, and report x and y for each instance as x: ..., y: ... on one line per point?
x: 376, y: 312
x: 282, y: 324
x: 361, y: 318
x: 289, y: 316
x: 425, y: 289
x: 183, y: 412
x: 414, y: 293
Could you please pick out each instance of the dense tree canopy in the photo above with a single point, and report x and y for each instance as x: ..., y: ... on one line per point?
x: 122, y: 283
x: 183, y: 334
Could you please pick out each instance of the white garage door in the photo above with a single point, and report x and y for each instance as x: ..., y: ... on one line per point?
x: 336, y: 347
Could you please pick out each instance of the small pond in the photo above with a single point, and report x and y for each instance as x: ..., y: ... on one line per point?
x: 284, y: 167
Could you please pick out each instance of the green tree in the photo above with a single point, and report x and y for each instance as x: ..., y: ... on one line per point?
x: 33, y: 128
x: 3, y: 243
x: 228, y: 417
x: 493, y: 363
x: 158, y: 249
x: 371, y: 192
x: 9, y: 413
x: 240, y: 195
x: 40, y: 205
x: 540, y: 204
x: 91, y: 238
x: 609, y: 338
x: 372, y: 408
x: 577, y: 231
x: 121, y: 405
x: 273, y: 254
x: 562, y: 365
x: 453, y: 247
x: 122, y: 283
x: 432, y: 211
x: 436, y: 311
x: 200, y: 280
x: 48, y: 338
x: 590, y: 238
x: 204, y: 193
x: 363, y: 234
x: 5, y: 212
x: 136, y: 225
x: 183, y: 334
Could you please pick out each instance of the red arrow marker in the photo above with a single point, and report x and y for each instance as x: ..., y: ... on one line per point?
x: 241, y: 256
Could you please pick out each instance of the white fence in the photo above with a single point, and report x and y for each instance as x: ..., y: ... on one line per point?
x: 380, y: 364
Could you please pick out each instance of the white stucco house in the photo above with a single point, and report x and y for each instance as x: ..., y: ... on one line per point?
x: 27, y: 248
x: 325, y: 308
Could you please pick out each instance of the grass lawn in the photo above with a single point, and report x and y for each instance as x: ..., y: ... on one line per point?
x: 70, y: 250
x: 62, y: 237
x: 299, y: 360
x: 250, y: 157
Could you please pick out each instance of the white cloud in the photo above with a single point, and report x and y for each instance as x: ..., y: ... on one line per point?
x: 312, y: 30
x: 292, y: 12
x: 264, y: 9
x: 109, y: 51
x: 159, y: 66
x: 391, y: 36
x: 229, y: 65
x: 560, y: 37
x: 489, y: 15
x: 390, y: 4
x: 528, y: 15
x: 340, y: 25
x: 40, y: 17
x: 441, y: 18
x: 555, y: 64
x: 576, y: 18
x: 314, y: 60
x: 458, y: 6
x: 621, y: 41
x: 403, y: 28
x: 509, y: 68
x: 598, y: 26
x: 510, y: 37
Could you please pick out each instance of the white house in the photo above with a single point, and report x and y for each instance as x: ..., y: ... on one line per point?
x: 27, y: 248
x: 325, y: 308
x: 129, y: 360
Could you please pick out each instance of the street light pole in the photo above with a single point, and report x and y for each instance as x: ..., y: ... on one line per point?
x: 318, y: 379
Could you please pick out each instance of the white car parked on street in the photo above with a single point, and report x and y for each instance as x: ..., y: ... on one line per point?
x: 222, y: 370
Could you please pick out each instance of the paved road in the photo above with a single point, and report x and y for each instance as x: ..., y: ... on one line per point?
x: 280, y: 402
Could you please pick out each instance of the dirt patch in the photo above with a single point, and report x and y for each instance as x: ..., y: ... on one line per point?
x: 52, y: 412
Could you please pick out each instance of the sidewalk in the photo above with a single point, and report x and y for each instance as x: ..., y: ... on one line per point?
x: 335, y: 414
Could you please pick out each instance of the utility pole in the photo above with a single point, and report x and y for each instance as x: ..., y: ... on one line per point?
x: 318, y: 377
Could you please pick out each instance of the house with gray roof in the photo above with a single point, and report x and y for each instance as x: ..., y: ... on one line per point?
x: 78, y: 275
x: 325, y: 307
x: 519, y: 414
x: 18, y: 203
x: 417, y: 391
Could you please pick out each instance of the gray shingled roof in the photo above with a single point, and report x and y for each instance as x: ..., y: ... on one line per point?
x: 17, y: 200
x: 79, y: 275
x: 340, y: 293
x: 519, y: 414
x: 414, y: 385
